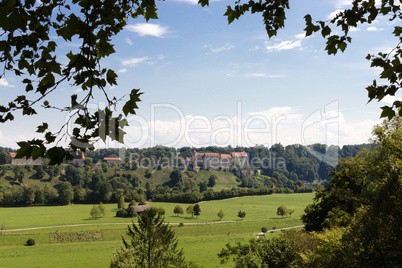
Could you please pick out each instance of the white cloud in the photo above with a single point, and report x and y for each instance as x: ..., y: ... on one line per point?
x: 342, y: 3
x: 389, y: 100
x: 193, y: 2
x: 215, y: 50
x: 284, y: 45
x: 128, y: 41
x: 144, y: 29
x: 353, y: 29
x: 161, y: 57
x: 134, y: 61
x: 333, y: 14
x: 122, y: 70
x: 374, y: 29
x: 4, y: 83
x: 254, y: 48
x: 265, y: 75
x: 300, y: 36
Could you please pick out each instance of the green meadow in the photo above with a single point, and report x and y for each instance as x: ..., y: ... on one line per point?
x: 201, y: 239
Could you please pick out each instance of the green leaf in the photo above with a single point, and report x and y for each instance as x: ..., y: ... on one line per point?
x: 111, y: 77
x: 203, y: 2
x: 42, y: 128
x: 37, y: 152
x: 25, y: 150
x: 56, y: 155
x: 131, y: 105
x: 50, y: 137
x: 387, y: 112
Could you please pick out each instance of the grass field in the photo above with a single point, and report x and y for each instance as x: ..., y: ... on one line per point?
x: 200, y: 238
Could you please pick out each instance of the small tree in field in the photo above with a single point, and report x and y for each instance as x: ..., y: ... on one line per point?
x: 178, y: 210
x: 121, y: 203
x: 102, y: 209
x: 241, y: 214
x: 31, y: 242
x: 190, y: 210
x: 291, y: 212
x: 197, y: 210
x: 212, y: 181
x: 221, y: 214
x: 95, y: 212
x: 282, y: 211
x: 98, y: 211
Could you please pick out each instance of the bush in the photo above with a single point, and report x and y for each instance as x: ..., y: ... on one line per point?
x: 161, y: 211
x: 264, y: 229
x: 121, y: 213
x: 31, y: 242
x: 181, y: 224
x: 131, y: 212
x: 273, y: 228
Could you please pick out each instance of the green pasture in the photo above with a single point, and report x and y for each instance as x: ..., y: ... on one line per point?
x: 256, y: 207
x: 201, y: 239
x: 200, y: 244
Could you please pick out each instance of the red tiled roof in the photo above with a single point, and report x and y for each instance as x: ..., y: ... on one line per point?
x: 199, y: 155
x: 212, y: 155
x: 239, y: 154
x: 79, y: 155
x: 226, y: 156
x: 112, y: 159
x: 13, y: 155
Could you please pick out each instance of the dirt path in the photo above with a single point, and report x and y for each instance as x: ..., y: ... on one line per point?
x: 121, y: 223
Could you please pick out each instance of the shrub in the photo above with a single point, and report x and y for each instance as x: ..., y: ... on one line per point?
x: 121, y: 213
x: 131, y: 212
x: 273, y: 228
x: 181, y: 224
x: 241, y: 214
x: 161, y: 211
x: 264, y: 229
x: 31, y: 242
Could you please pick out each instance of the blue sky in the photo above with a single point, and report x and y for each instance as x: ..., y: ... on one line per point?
x: 209, y: 83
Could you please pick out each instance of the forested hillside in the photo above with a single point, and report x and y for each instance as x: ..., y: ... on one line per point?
x: 278, y: 169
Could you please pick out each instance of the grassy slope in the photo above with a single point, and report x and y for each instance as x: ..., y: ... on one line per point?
x: 201, y: 243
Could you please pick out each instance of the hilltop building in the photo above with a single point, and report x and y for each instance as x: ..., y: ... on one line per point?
x: 79, y: 159
x: 114, y: 160
x: 24, y: 161
x: 216, y: 160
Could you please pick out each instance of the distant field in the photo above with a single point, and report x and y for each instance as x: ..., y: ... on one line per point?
x: 201, y: 243
x: 256, y: 207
